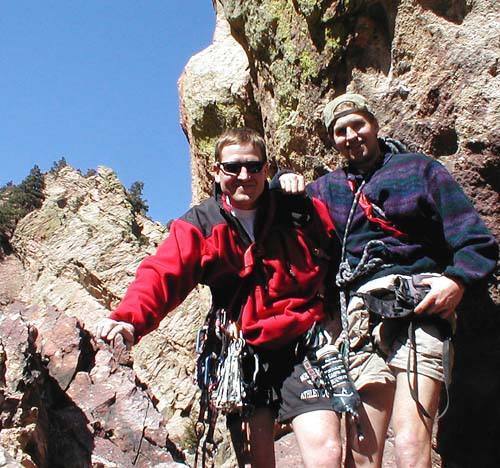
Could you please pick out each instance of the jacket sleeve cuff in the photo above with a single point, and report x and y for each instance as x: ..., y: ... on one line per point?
x: 458, y: 274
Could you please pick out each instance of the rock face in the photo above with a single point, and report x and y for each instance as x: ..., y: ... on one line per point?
x: 431, y: 69
x: 217, y: 94
x: 67, y: 401
x: 79, y: 252
x: 81, y: 248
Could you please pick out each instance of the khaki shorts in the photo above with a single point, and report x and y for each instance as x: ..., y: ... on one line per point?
x: 380, y: 363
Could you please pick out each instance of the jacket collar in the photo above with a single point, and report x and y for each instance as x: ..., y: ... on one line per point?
x: 265, y: 212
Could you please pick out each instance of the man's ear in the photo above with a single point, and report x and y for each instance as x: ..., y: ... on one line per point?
x: 329, y: 133
x: 216, y: 172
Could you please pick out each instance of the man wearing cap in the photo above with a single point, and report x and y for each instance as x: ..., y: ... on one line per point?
x: 404, y: 221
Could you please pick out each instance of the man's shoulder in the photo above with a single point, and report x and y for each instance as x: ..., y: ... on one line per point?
x: 409, y: 157
x: 409, y: 162
x: 204, y: 216
x: 332, y: 181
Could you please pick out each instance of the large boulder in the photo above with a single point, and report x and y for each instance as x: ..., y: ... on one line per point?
x: 68, y: 401
x: 431, y: 70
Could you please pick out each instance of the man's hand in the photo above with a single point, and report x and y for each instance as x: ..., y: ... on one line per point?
x: 108, y: 329
x: 292, y: 183
x: 443, y: 298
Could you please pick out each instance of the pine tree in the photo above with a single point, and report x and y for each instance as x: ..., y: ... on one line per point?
x: 32, y: 189
x: 16, y: 201
x: 134, y: 195
x: 58, y: 165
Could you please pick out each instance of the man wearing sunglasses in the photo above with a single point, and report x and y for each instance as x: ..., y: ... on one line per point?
x: 265, y: 255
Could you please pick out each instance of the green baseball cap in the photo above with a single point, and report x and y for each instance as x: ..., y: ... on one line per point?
x: 344, y: 104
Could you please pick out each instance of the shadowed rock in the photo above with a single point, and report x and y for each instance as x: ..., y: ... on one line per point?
x: 67, y: 401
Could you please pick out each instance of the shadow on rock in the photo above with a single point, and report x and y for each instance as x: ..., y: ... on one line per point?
x: 67, y: 401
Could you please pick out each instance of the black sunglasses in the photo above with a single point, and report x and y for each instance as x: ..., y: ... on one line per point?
x: 234, y: 168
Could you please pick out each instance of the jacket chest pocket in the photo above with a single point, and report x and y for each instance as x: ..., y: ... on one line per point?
x: 291, y: 263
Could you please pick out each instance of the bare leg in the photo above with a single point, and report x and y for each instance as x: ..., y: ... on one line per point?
x: 261, y: 425
x: 318, y: 437
x: 374, y: 415
x: 413, y: 431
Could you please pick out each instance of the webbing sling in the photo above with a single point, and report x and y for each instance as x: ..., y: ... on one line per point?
x: 447, y: 364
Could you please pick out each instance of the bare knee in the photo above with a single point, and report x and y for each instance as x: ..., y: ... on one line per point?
x: 323, y: 453
x: 318, y: 437
x: 413, y: 430
x: 412, y: 449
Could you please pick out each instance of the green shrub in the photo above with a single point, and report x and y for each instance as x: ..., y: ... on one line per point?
x: 134, y: 196
x: 16, y: 201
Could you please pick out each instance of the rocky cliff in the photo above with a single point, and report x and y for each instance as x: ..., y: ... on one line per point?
x: 432, y: 68
x: 65, y: 399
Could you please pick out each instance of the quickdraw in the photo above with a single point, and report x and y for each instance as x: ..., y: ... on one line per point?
x: 226, y: 375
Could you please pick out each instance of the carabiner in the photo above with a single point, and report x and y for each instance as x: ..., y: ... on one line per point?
x: 201, y: 337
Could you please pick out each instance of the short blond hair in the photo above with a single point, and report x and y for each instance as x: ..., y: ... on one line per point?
x: 240, y: 136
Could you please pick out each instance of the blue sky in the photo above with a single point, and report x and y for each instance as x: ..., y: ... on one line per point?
x: 95, y: 81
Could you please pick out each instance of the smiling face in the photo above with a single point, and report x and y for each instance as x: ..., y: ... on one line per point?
x: 244, y: 187
x: 355, y: 137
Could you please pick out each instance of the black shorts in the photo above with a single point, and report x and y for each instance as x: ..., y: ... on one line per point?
x: 284, y: 385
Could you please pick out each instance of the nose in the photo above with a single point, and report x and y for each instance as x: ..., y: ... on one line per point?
x: 244, y: 174
x: 350, y: 134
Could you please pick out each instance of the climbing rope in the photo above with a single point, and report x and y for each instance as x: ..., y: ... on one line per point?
x: 346, y: 275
